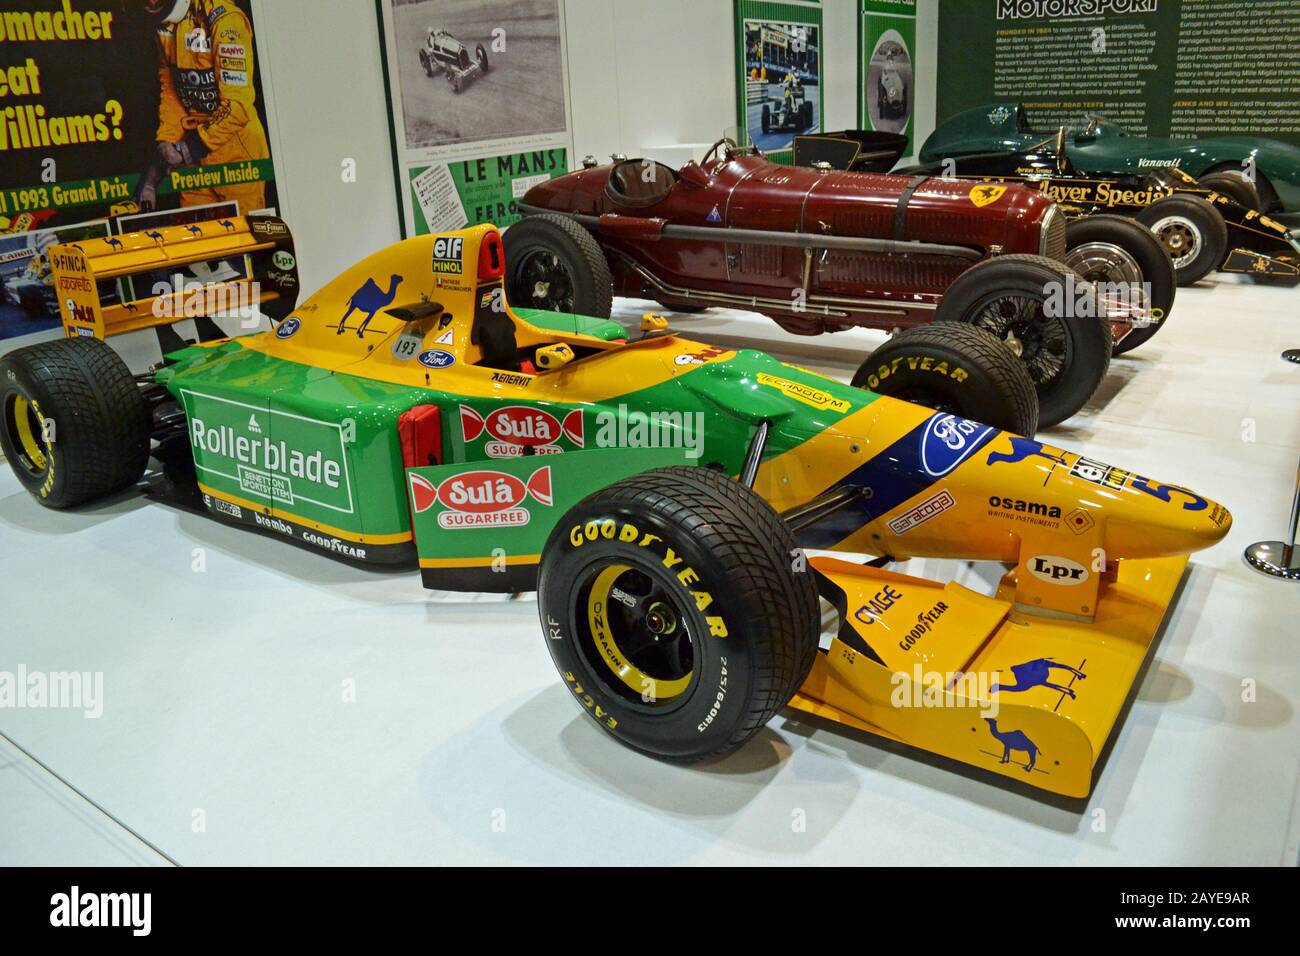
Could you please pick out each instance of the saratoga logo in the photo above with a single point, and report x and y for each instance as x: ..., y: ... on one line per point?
x: 516, y: 427
x: 482, y: 499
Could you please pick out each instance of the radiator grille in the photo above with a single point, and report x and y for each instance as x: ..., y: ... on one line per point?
x: 1052, y: 242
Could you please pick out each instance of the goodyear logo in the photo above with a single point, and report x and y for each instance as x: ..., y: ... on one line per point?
x: 447, y: 254
x: 804, y: 393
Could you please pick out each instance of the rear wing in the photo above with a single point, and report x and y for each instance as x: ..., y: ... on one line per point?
x: 85, y: 277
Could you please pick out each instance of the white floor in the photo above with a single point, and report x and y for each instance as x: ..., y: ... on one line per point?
x: 266, y: 704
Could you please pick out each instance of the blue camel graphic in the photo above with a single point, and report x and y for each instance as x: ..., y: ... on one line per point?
x: 227, y: 225
x: 369, y: 299
x: 113, y: 243
x: 1022, y: 448
x: 194, y: 230
x: 1036, y: 673
x: 1011, y: 741
x: 155, y: 235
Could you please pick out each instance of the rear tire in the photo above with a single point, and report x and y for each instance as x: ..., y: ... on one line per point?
x: 1067, y: 356
x: 1234, y: 185
x: 425, y: 62
x: 1143, y: 249
x: 97, y: 441
x: 679, y: 667
x: 555, y: 264
x: 958, y: 369
x: 1192, y: 233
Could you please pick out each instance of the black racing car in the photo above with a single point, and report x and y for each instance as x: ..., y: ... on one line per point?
x: 443, y: 52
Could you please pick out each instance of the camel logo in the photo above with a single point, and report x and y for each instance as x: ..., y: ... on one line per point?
x: 369, y: 299
x: 1025, y: 448
x: 1038, y: 673
x: 986, y: 195
x: 517, y: 427
x: 447, y: 254
x: 482, y: 499
x: 1011, y: 741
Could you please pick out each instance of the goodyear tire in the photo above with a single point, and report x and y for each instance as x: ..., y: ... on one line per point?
x: 1131, y: 247
x: 958, y: 369
x: 553, y: 263
x: 1234, y: 185
x: 73, y: 423
x: 1066, y: 354
x: 674, y: 613
x: 1192, y: 233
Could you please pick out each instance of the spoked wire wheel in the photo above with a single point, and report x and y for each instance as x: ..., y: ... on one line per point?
x: 542, y: 282
x: 1021, y: 323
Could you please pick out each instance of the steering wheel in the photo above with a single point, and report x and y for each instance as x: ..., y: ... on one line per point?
x: 731, y: 144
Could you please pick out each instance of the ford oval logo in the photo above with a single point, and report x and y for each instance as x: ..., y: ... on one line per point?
x: 437, y: 358
x: 948, y: 441
x: 289, y: 327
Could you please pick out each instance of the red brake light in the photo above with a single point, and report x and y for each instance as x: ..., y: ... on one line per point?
x: 491, y: 257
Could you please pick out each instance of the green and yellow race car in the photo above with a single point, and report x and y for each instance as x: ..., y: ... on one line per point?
x: 660, y: 494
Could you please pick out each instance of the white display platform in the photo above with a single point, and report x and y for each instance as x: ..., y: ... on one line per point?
x: 224, y: 689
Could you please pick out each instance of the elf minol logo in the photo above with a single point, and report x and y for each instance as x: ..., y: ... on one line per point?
x: 125, y: 910
x: 446, y: 254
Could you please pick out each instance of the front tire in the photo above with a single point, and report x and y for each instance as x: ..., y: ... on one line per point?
x: 74, y: 425
x: 480, y: 54
x: 555, y: 264
x: 1067, y: 354
x: 674, y: 612
x: 1115, y: 249
x: 1192, y: 233
x: 958, y: 369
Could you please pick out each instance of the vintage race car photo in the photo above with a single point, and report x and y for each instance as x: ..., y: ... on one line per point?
x: 891, y: 86
x: 443, y: 53
x: 32, y: 288
x: 1100, y: 147
x: 820, y: 250
x: 658, y: 493
x: 1202, y: 225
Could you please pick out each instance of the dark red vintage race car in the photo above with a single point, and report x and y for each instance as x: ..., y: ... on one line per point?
x: 821, y: 250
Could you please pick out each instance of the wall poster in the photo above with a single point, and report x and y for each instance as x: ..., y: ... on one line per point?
x: 779, y: 89
x: 887, y: 66
x: 479, y: 106
x: 111, y: 110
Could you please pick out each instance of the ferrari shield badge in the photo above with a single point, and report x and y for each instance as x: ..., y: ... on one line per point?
x: 986, y: 195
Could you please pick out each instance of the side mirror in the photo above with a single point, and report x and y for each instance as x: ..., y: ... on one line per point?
x: 693, y: 175
x: 550, y: 357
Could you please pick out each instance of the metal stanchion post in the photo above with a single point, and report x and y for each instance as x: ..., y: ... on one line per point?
x: 1280, y: 559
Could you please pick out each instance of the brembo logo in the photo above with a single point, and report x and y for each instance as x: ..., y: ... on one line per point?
x: 517, y: 427
x: 482, y: 499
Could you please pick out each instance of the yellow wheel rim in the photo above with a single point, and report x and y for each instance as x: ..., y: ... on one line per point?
x: 602, y: 633
x: 23, y: 416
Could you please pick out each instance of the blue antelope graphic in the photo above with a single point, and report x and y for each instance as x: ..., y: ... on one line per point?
x: 1011, y: 741
x: 1036, y: 674
x: 369, y: 299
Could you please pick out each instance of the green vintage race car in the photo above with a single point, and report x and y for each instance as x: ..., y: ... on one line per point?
x: 1099, y: 146
x: 658, y: 493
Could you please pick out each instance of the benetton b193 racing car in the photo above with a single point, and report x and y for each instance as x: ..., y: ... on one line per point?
x: 658, y: 493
